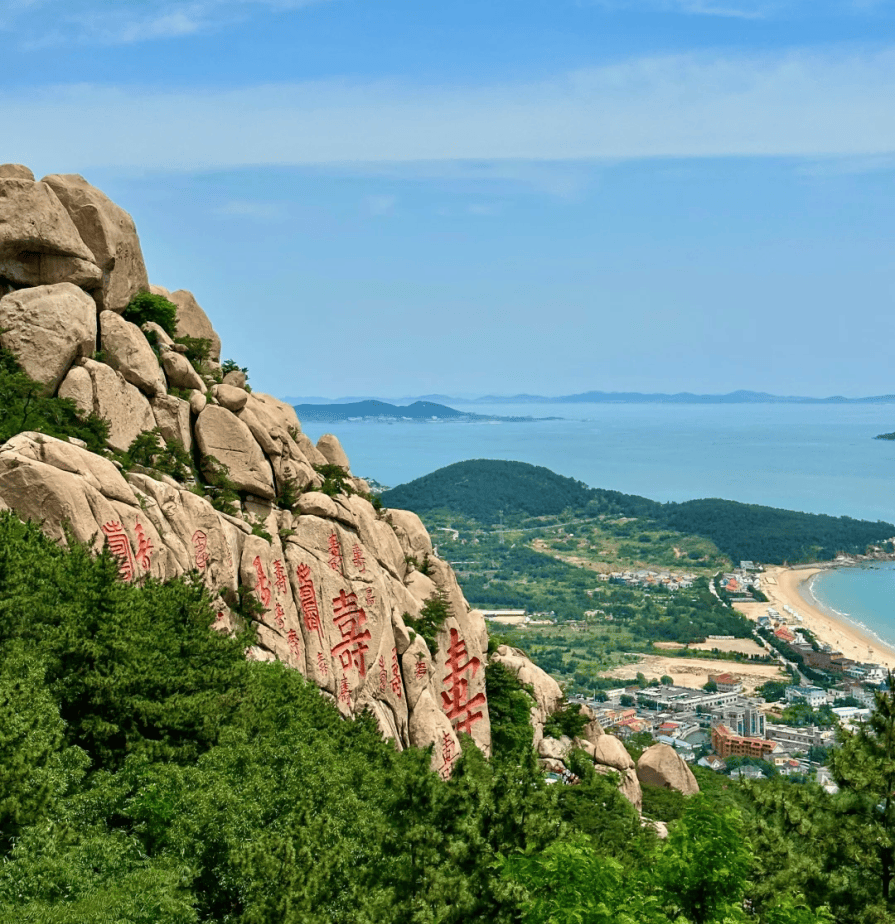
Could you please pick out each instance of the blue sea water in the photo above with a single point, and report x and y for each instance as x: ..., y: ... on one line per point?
x: 865, y: 594
x: 813, y: 458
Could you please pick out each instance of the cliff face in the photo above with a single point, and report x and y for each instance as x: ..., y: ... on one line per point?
x: 330, y: 577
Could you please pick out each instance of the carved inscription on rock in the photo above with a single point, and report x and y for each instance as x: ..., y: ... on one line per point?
x: 455, y: 701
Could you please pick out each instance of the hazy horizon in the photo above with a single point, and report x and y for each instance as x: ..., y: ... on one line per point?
x: 614, y: 195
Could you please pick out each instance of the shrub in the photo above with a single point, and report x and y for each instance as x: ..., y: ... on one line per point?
x: 197, y: 349
x: 431, y: 618
x: 145, y: 306
x: 219, y: 489
x: 568, y: 721
x: 24, y: 406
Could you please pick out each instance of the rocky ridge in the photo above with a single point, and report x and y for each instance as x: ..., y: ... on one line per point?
x: 329, y: 582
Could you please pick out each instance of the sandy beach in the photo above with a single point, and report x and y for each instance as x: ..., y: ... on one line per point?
x: 781, y: 586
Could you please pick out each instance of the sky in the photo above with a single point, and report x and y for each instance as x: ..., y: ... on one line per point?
x: 399, y: 198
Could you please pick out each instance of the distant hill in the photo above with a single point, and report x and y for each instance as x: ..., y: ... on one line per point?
x: 373, y: 409
x: 618, y: 397
x: 487, y: 489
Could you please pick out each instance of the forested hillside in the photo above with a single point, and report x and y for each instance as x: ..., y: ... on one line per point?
x: 150, y: 773
x: 486, y: 489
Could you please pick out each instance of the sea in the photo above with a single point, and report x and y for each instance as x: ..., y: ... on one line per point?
x: 816, y: 458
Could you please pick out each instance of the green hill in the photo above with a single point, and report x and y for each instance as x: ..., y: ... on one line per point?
x: 485, y: 489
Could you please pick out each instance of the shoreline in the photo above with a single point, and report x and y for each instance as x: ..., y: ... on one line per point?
x: 792, y: 587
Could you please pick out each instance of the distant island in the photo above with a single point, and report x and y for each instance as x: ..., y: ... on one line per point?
x: 422, y: 411
x: 885, y: 436
x: 603, y: 397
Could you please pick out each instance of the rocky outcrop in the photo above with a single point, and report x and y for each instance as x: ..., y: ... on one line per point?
x: 224, y: 437
x: 661, y: 765
x: 331, y: 449
x: 48, y: 328
x: 111, y: 236
x: 39, y: 243
x: 126, y: 349
x: 192, y: 321
x: 323, y: 581
x: 547, y: 692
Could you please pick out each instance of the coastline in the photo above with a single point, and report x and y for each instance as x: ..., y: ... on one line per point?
x: 791, y: 587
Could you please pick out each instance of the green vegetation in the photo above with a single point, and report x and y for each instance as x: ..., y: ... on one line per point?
x: 150, y: 773
x: 431, y: 619
x: 150, y: 451
x: 25, y: 406
x: 489, y: 490
x: 145, y: 307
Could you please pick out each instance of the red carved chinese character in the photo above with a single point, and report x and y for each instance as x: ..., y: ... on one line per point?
x: 448, y: 755
x: 263, y: 585
x: 350, y: 619
x: 383, y: 675
x: 144, y: 548
x: 344, y: 691
x: 120, y: 547
x: 397, y: 684
x: 280, y: 617
x: 308, y: 599
x: 455, y: 703
x: 420, y: 670
x: 371, y: 599
x: 200, y: 544
x: 279, y: 575
x: 335, y: 553
x: 322, y: 665
x: 294, y: 644
x: 357, y: 556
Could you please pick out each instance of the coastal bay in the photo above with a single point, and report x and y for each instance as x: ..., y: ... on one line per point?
x: 791, y: 587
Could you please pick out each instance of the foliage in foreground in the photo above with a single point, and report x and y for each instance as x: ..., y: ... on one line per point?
x: 149, y: 773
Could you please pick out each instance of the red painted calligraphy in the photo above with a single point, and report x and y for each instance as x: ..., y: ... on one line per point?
x: 455, y: 701
x: 420, y: 670
x: 279, y: 576
x: 335, y: 553
x: 344, y: 691
x: 357, y: 556
x: 263, y: 585
x: 350, y: 619
x: 308, y: 598
x: 200, y: 545
x: 280, y: 617
x: 120, y: 547
x: 383, y: 675
x: 397, y: 684
x: 448, y: 755
x: 322, y: 666
x: 371, y: 599
x: 294, y: 643
x: 144, y: 548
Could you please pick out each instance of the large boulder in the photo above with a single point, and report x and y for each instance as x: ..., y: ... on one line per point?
x: 610, y: 752
x: 100, y: 389
x: 126, y: 349
x: 331, y: 449
x: 225, y: 437
x: 39, y: 243
x: 47, y: 328
x: 172, y: 415
x: 180, y: 372
x: 16, y: 172
x: 661, y: 765
x: 110, y: 234
x: 192, y: 321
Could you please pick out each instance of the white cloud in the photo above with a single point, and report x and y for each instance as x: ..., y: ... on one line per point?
x: 794, y: 104
x: 120, y: 22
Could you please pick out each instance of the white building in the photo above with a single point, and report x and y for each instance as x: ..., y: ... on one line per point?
x: 813, y: 696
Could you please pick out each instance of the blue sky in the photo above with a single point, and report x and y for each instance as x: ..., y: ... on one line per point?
x: 399, y: 198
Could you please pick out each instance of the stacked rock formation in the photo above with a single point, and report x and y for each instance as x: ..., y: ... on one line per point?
x: 331, y: 578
